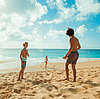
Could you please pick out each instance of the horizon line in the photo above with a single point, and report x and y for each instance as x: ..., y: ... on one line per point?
x: 47, y: 48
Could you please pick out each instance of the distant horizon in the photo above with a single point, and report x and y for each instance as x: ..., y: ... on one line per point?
x: 48, y: 48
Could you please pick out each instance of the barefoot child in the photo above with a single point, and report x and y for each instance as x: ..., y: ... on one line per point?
x: 46, y: 60
x: 72, y: 54
x: 23, y: 57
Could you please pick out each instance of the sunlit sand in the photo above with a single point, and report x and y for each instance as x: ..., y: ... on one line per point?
x: 48, y: 83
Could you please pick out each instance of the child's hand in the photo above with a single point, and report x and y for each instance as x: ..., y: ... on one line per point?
x: 64, y: 57
x: 21, y: 62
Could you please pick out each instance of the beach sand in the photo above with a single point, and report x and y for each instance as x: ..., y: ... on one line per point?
x: 48, y: 84
x: 1, y: 62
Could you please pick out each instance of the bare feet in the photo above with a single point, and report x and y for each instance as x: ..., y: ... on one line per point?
x: 18, y: 79
x: 22, y: 78
x: 66, y: 79
x: 74, y: 80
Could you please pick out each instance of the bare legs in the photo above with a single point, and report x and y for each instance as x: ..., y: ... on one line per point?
x: 74, y: 72
x: 21, y: 73
x: 67, y: 72
x: 45, y: 64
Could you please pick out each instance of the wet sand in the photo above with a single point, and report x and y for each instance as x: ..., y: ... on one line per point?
x: 1, y: 62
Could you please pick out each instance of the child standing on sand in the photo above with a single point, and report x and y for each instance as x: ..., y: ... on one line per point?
x: 72, y: 53
x: 46, y: 60
x: 23, y: 57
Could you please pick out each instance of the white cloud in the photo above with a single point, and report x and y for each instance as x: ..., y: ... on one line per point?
x: 50, y: 22
x: 11, y: 36
x: 81, y: 30
x: 38, y: 12
x: 36, y: 35
x: 18, y: 21
x: 51, y: 3
x: 31, y: 9
x: 3, y: 37
x: 55, y: 33
x: 2, y: 3
x: 65, y: 14
x: 98, y: 29
x: 17, y: 6
x: 18, y: 14
x: 80, y: 18
x: 80, y: 11
x: 86, y: 8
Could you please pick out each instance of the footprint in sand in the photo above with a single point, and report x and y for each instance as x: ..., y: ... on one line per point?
x: 43, y: 96
x: 76, y: 90
x: 49, y: 87
x: 97, y: 94
x: 17, y: 91
x: 92, y: 83
x: 36, y: 82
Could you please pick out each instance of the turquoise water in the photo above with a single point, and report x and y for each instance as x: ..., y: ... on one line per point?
x: 51, y: 53
x: 37, y: 56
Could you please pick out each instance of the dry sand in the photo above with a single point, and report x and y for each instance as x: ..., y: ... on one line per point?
x: 47, y: 84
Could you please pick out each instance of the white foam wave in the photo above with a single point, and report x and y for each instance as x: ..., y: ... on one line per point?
x: 36, y: 61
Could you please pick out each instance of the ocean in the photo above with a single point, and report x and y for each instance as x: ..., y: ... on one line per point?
x: 37, y: 56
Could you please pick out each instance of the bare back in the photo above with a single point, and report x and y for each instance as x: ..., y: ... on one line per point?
x: 74, y: 43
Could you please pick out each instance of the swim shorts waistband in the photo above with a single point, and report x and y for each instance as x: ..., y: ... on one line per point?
x: 24, y: 59
x: 74, y: 52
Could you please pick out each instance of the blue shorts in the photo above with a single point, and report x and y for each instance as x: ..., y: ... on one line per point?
x: 23, y: 65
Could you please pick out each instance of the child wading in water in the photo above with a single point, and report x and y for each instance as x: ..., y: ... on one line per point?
x: 23, y: 57
x: 46, y: 60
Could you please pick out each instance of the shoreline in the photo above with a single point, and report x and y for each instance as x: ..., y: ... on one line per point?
x: 33, y: 62
x: 2, y: 62
x: 53, y: 66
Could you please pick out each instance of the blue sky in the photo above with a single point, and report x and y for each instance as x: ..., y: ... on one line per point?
x: 43, y: 23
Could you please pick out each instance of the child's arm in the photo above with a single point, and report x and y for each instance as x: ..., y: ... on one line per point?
x: 79, y: 46
x: 21, y: 55
x: 27, y: 53
x: 44, y: 60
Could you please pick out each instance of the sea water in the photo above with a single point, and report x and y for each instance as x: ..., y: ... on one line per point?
x: 37, y: 56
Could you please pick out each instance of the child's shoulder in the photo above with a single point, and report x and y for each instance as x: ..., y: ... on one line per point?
x: 22, y: 50
x: 27, y: 50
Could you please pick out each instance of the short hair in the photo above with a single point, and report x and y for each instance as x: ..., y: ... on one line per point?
x: 70, y: 32
x: 25, y: 43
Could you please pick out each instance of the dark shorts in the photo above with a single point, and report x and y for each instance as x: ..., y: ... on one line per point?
x: 73, y: 57
x: 23, y: 65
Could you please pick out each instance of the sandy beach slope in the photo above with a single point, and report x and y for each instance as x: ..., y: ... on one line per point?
x: 48, y: 84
